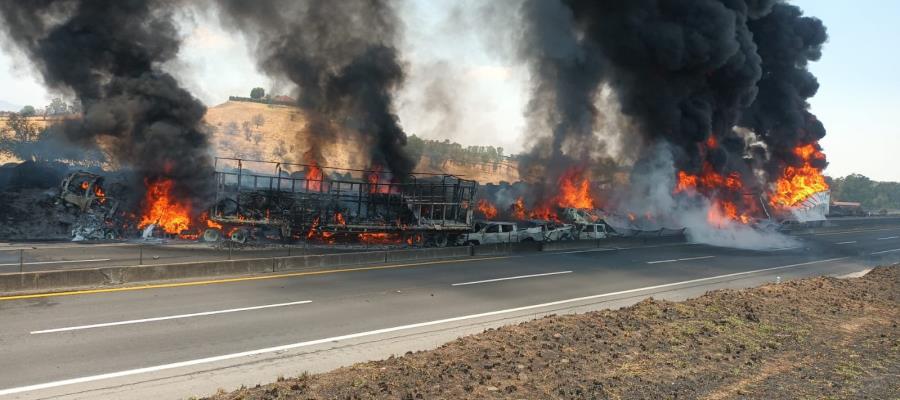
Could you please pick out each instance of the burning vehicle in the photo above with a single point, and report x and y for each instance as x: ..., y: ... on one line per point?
x: 305, y: 201
x: 98, y: 215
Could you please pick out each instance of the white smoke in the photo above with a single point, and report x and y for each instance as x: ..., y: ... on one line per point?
x: 651, y: 193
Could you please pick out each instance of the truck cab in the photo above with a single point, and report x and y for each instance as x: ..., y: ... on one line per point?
x: 488, y: 232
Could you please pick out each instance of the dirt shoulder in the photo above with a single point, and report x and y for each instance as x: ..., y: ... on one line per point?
x: 812, y: 338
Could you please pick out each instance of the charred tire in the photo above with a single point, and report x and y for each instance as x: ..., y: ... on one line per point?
x: 212, y: 235
x: 439, y: 240
x: 241, y: 235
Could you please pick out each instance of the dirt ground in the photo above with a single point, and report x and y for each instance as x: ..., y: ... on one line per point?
x: 808, y: 339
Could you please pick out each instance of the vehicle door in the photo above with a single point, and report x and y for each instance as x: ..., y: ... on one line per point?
x: 508, y: 233
x: 601, y: 231
x: 492, y: 234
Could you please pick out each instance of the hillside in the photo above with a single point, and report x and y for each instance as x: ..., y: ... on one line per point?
x: 276, y: 132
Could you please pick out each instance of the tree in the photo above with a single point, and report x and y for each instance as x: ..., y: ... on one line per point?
x: 57, y: 107
x: 27, y: 111
x: 257, y: 93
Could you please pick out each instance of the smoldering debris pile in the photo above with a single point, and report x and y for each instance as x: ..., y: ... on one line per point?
x: 42, y: 201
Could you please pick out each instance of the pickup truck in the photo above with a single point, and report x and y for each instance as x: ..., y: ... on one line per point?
x: 490, y: 232
x: 544, y: 231
x: 592, y: 231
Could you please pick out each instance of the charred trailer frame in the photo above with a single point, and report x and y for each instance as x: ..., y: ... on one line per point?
x: 285, y: 198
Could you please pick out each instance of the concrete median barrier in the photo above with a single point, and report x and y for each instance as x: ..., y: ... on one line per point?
x: 69, y: 279
x: 312, y: 262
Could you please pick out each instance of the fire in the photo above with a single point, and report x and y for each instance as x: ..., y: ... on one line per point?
x: 487, y: 209
x: 209, y: 223
x: 374, y: 179
x: 314, y: 177
x: 575, y: 190
x: 339, y: 219
x: 709, y: 180
x: 724, y: 212
x: 686, y: 182
x: 162, y: 209
x: 517, y: 209
x: 543, y: 213
x: 380, y: 238
x: 798, y: 183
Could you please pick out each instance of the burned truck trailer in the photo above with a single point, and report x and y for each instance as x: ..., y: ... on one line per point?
x: 262, y: 199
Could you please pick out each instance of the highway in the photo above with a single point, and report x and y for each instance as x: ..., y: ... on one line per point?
x: 69, y: 255
x: 137, y: 342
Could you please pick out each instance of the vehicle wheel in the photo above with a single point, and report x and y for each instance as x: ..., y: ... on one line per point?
x: 241, y: 235
x: 439, y: 240
x: 212, y: 235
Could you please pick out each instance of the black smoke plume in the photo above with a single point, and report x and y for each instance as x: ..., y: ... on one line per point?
x: 341, y: 55
x: 685, y: 72
x: 780, y: 116
x: 109, y: 54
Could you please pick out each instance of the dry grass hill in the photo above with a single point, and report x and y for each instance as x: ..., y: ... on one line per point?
x: 277, y: 133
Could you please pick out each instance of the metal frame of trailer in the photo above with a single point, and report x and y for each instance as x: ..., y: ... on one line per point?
x: 286, y: 196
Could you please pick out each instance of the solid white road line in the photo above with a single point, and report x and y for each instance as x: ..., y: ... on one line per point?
x: 292, y: 346
x: 679, y: 259
x: 511, y: 278
x: 888, y: 238
x: 885, y: 251
x: 55, y: 262
x: 140, y: 321
x: 695, y: 258
x: 850, y: 242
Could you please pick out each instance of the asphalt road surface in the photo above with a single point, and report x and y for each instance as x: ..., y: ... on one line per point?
x: 57, y: 344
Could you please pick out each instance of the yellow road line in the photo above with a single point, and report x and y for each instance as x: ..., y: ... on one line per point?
x: 243, y: 279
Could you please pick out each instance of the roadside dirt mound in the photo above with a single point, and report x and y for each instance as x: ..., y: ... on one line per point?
x: 813, y: 338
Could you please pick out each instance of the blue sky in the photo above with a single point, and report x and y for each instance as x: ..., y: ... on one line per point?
x: 859, y: 93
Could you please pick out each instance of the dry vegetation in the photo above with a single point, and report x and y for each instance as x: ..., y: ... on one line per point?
x: 276, y: 132
x: 809, y: 339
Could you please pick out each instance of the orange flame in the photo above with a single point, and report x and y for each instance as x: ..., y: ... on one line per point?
x: 487, y: 209
x: 575, y: 190
x: 162, y: 209
x: 517, y: 209
x: 796, y: 184
x: 314, y: 177
x: 721, y: 212
x: 339, y: 219
x: 209, y: 223
x: 381, y: 238
x: 375, y: 185
x: 708, y: 179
